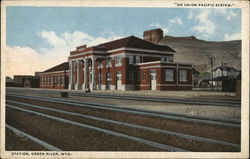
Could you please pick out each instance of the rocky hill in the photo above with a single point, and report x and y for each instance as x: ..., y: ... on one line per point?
x: 193, y: 50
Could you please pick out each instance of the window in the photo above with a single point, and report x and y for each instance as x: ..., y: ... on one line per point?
x: 118, y: 75
x: 169, y: 75
x: 109, y: 61
x: 171, y: 58
x: 58, y: 80
x: 167, y: 59
x: 131, y: 59
x: 137, y: 59
x: 62, y: 80
x: 144, y: 76
x: 131, y: 76
x: 109, y: 76
x: 118, y: 59
x: 183, y: 75
x: 139, y: 75
x: 99, y: 64
x: 100, y: 78
x: 152, y: 74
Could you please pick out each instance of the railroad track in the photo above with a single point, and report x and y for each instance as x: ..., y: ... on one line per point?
x: 227, y: 122
x: 210, y: 102
x: 74, y: 113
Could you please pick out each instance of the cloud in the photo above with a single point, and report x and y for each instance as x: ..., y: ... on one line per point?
x: 26, y: 61
x: 229, y: 14
x: 157, y: 25
x: 190, y: 14
x: 23, y: 60
x: 205, y: 25
x: 52, y: 38
x: 228, y: 37
x: 176, y: 20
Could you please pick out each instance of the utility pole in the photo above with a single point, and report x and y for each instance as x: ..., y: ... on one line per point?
x: 65, y: 83
x: 222, y: 75
x: 212, y: 65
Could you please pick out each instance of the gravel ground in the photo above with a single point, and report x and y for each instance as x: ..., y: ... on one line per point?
x: 200, y: 110
x: 203, y: 130
x: 15, y: 142
x: 62, y: 140
x: 71, y: 138
x: 180, y: 94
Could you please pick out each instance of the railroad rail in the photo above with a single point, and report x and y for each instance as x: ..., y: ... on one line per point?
x: 210, y: 102
x: 225, y: 122
x: 34, y: 139
x: 140, y: 140
x: 190, y: 137
x: 75, y: 113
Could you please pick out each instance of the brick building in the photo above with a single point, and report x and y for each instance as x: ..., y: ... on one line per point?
x: 27, y: 81
x: 129, y: 63
x: 32, y: 82
x: 55, y: 77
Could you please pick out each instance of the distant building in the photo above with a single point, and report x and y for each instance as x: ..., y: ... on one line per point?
x: 55, y: 77
x: 31, y: 82
x: 27, y: 81
x: 37, y: 74
x: 9, y: 82
x: 225, y: 78
x: 129, y: 63
x: 153, y: 36
x: 19, y: 80
x: 225, y: 71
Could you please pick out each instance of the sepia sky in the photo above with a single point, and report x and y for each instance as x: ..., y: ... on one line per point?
x: 41, y: 37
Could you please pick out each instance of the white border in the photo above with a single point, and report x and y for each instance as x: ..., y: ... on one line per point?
x: 244, y: 5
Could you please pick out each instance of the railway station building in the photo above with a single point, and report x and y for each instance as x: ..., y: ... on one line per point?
x: 55, y: 77
x: 129, y: 63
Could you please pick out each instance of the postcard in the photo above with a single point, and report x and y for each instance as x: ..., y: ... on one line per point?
x: 125, y: 79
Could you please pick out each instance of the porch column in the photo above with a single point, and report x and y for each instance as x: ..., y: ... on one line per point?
x: 70, y: 75
x: 78, y: 75
x: 85, y: 83
x: 84, y: 74
x: 93, y: 74
x: 177, y: 74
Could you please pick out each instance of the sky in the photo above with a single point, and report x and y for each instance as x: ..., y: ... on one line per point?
x: 38, y: 38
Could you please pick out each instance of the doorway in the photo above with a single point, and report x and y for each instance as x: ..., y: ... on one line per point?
x: 153, y: 81
x: 118, y: 80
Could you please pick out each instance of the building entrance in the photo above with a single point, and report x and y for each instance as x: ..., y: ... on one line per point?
x: 153, y: 81
x: 118, y: 81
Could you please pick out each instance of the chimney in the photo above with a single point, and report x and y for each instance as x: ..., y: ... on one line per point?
x: 81, y: 48
x: 153, y: 36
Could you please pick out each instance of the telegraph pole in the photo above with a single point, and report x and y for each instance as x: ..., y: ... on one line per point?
x: 212, y: 65
x: 222, y: 75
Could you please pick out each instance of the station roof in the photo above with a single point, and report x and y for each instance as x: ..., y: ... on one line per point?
x: 134, y: 42
x: 60, y: 67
